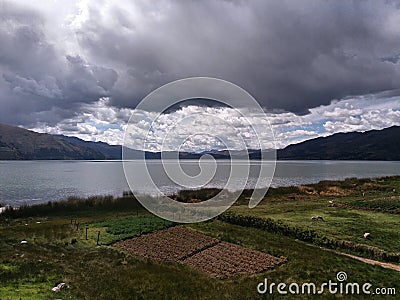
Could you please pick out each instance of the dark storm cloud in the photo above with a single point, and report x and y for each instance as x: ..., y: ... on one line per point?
x: 38, y: 83
x: 290, y: 55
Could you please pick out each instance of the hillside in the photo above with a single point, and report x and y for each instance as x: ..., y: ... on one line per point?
x: 109, y: 151
x: 20, y: 144
x: 370, y: 145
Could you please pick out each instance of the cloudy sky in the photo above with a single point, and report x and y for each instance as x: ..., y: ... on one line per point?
x: 316, y: 67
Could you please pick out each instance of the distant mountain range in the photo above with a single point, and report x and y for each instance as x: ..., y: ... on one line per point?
x: 20, y: 144
x: 370, y: 145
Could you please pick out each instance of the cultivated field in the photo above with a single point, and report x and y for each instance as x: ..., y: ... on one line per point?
x: 173, y: 244
x: 227, y: 259
x: 218, y: 259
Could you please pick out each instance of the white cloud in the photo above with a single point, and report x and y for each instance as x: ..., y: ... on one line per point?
x: 369, y: 120
x: 195, y: 128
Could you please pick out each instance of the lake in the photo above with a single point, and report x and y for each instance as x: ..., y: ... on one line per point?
x: 29, y: 182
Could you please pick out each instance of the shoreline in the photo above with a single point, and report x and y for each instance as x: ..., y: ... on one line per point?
x: 126, y: 192
x: 193, y: 192
x: 41, y: 181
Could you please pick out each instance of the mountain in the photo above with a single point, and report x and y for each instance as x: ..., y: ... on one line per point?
x: 370, y: 145
x: 109, y: 151
x: 20, y: 144
x: 115, y: 151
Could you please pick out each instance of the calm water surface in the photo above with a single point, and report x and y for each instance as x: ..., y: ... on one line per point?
x: 29, y: 182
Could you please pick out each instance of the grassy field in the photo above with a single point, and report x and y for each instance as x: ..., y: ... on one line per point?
x: 344, y: 224
x: 57, y: 249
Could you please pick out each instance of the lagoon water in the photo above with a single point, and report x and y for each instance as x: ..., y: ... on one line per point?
x: 29, y: 182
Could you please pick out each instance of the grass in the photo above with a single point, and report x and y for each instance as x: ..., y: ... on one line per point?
x: 91, y: 272
x: 390, y: 205
x: 306, y: 263
x: 339, y: 223
x: 57, y: 251
x: 103, y: 272
x: 113, y: 230
x: 76, y: 207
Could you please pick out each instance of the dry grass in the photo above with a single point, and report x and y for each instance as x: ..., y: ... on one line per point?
x: 335, y: 191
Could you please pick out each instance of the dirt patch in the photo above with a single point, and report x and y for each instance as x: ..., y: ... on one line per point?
x: 372, y: 262
x: 227, y: 259
x: 172, y: 244
x: 204, y: 253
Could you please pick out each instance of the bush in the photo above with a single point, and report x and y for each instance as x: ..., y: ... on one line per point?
x: 74, y: 206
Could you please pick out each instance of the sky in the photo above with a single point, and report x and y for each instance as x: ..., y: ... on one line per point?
x: 316, y: 67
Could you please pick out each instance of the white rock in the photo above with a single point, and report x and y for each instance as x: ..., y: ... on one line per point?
x: 59, y: 287
x: 3, y: 208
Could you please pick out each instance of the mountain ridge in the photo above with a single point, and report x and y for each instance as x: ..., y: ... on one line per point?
x: 109, y: 151
x: 381, y: 144
x: 21, y: 144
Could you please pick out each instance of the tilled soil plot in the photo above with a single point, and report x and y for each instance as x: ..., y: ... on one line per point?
x: 227, y: 259
x: 172, y: 244
x: 204, y: 253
